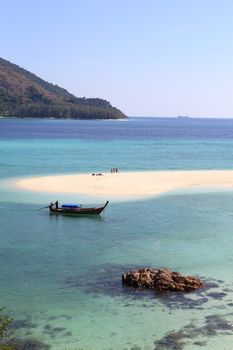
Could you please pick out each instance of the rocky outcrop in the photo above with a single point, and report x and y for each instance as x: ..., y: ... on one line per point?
x: 160, y: 280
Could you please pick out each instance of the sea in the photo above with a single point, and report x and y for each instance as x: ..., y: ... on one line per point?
x: 60, y: 277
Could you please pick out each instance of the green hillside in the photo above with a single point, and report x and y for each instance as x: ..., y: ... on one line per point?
x: 23, y: 94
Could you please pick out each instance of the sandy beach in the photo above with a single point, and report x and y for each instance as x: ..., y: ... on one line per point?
x: 128, y: 184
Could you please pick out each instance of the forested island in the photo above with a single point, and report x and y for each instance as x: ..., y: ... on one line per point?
x: 25, y: 95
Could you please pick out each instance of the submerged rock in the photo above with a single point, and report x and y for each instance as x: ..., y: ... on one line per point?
x: 160, y: 280
x: 30, y: 344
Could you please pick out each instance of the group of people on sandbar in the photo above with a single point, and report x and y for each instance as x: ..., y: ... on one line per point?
x: 113, y: 171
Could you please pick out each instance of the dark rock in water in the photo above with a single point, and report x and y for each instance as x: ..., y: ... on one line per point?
x: 216, y: 295
x: 23, y: 324
x: 200, y: 343
x: 218, y: 323
x: 214, y: 325
x: 173, y: 340
x: 31, y: 344
x: 160, y: 280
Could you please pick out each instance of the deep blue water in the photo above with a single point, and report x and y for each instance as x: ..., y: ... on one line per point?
x: 132, y: 129
x: 61, y: 277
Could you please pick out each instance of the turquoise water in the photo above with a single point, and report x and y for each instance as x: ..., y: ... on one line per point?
x: 61, y: 276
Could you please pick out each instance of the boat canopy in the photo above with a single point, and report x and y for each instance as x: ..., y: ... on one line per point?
x: 71, y: 205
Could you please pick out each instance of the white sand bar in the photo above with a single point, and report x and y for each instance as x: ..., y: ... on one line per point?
x: 128, y: 184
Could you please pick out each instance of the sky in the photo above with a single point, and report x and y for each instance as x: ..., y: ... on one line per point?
x: 147, y: 57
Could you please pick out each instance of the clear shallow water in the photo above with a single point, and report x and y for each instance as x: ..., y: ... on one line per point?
x: 61, y: 276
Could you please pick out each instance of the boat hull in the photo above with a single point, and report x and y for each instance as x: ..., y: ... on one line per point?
x: 79, y: 211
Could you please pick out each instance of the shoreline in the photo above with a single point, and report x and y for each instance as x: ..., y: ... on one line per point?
x: 128, y: 184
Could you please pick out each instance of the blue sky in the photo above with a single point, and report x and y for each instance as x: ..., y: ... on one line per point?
x: 149, y: 58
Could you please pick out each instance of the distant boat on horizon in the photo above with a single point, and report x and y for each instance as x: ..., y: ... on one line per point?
x: 183, y: 117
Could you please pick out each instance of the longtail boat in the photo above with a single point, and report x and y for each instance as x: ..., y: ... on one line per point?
x: 75, y: 209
